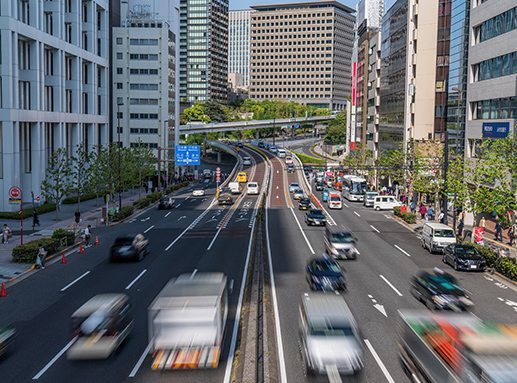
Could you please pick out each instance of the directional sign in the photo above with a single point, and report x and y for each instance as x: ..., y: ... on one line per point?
x: 187, y: 155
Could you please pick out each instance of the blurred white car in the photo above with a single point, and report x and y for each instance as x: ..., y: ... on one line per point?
x: 293, y: 186
x: 198, y: 192
x: 246, y: 161
x: 253, y: 188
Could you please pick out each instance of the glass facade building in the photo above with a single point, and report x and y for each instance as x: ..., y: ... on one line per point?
x: 204, y: 50
x: 239, y: 44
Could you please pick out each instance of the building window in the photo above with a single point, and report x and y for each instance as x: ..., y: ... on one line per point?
x: 119, y: 40
x: 119, y: 56
x: 119, y: 85
x: 119, y: 70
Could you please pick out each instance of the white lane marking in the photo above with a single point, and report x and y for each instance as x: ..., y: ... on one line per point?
x: 180, y: 218
x: 345, y: 205
x: 374, y: 229
x: 356, y: 213
x: 231, y: 287
x: 193, y: 274
x: 177, y: 206
x: 402, y: 251
x: 381, y: 309
x: 277, y: 187
x: 390, y: 285
x: 141, y: 360
x: 136, y: 279
x: 379, y: 361
x: 49, y: 364
x: 301, y: 230
x: 332, y: 373
x: 148, y: 229
x: 71, y: 283
x: 178, y: 237
x: 166, y: 215
x: 387, y: 216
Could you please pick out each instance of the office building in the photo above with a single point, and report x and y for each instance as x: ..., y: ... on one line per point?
x: 53, y: 86
x: 373, y: 94
x: 239, y: 44
x: 302, y: 52
x: 492, y: 72
x: 204, y: 50
x: 145, y: 73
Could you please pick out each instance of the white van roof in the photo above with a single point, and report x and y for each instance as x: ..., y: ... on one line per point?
x: 434, y: 225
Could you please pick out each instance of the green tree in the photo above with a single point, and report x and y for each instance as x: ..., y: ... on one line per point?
x: 195, y: 112
x: 81, y: 177
x: 143, y: 164
x: 336, y: 129
x: 214, y: 110
x: 390, y: 164
x: 56, y: 185
x: 99, y: 169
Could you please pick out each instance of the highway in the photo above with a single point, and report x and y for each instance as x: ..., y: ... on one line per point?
x: 198, y: 235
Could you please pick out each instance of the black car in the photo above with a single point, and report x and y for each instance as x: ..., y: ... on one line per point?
x: 290, y: 168
x: 315, y: 217
x: 464, y: 257
x: 307, y: 168
x: 325, y: 274
x: 166, y: 203
x: 129, y: 246
x: 304, y: 203
x: 320, y: 186
x: 439, y: 290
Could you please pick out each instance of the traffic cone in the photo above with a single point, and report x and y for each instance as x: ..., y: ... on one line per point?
x: 96, y: 240
x: 63, y: 260
x: 3, y: 294
x: 81, y: 249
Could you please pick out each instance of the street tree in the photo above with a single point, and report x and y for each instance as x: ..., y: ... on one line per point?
x: 81, y: 173
x: 390, y: 165
x: 143, y: 164
x: 214, y: 110
x: 56, y: 184
x: 99, y: 168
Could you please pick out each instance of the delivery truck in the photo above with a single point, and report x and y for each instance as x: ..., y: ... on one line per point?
x: 187, y: 322
x: 235, y: 187
x: 456, y: 348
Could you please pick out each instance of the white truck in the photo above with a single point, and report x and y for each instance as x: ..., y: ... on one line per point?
x: 187, y: 322
x: 235, y: 187
x: 456, y: 348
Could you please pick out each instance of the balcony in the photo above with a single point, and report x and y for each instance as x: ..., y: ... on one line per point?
x: 377, y: 100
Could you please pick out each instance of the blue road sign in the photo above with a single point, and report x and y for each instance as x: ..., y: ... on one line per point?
x: 187, y: 155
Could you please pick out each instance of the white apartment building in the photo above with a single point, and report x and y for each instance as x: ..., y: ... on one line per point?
x: 146, y: 73
x: 53, y: 86
x: 239, y: 43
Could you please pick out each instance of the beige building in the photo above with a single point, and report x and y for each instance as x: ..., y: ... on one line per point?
x: 302, y: 52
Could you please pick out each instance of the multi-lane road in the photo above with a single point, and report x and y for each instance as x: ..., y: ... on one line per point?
x: 200, y: 235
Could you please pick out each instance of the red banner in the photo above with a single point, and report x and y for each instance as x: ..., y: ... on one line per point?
x: 479, y: 232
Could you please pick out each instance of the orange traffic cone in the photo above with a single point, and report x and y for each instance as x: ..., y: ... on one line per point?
x: 63, y: 260
x: 3, y: 294
x: 81, y: 249
x: 96, y: 240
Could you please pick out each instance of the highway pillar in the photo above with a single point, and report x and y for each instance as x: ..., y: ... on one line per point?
x: 256, y: 134
x: 204, y: 144
x: 219, y: 156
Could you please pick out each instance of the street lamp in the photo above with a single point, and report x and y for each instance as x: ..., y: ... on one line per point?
x: 119, y: 104
x: 460, y: 94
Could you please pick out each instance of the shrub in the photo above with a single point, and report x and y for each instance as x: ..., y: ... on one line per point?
x: 154, y: 196
x: 84, y: 197
x: 409, y: 217
x: 491, y: 257
x: 62, y: 233
x: 141, y: 203
x: 396, y: 211
x: 27, y: 213
x: 126, y: 211
x: 305, y: 159
x: 27, y: 253
x: 508, y: 267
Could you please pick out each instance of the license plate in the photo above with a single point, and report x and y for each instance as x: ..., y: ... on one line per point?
x: 317, y: 222
x: 473, y: 267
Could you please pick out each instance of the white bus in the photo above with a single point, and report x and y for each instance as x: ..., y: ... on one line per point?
x: 354, y: 188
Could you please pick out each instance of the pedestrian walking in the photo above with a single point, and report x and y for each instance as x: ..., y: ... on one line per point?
x: 42, y: 254
x: 146, y: 188
x: 430, y: 213
x: 482, y: 222
x: 460, y: 225
x: 77, y: 216
x: 441, y: 217
x: 423, y: 211
x: 6, y: 234
x: 499, y: 231
x: 87, y: 236
x: 35, y: 219
x: 511, y: 233
x: 412, y: 206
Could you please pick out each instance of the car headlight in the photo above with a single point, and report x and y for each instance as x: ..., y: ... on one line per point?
x: 334, y: 250
x: 309, y: 219
x: 316, y: 280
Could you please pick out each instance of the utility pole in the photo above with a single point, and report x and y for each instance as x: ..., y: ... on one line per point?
x: 119, y: 104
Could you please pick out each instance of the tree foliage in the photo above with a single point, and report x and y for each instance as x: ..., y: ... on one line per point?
x: 336, y: 129
x: 81, y: 177
x: 56, y: 185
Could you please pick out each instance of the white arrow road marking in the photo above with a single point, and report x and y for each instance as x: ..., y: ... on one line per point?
x: 390, y: 285
x: 332, y: 373
x: 133, y: 220
x: 374, y: 229
x: 357, y: 214
x: 148, y: 229
x: 402, y: 251
x: 183, y: 216
x: 381, y: 309
x: 145, y: 219
x: 490, y: 279
x: 203, y: 200
x: 387, y: 216
x: 379, y: 362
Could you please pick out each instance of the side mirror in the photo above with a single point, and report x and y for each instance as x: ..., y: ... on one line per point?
x: 355, y: 239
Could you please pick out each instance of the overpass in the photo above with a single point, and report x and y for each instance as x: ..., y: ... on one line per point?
x: 253, y: 124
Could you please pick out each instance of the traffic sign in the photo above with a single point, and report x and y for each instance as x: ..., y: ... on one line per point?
x: 218, y: 170
x: 187, y: 155
x: 37, y: 198
x: 15, y: 195
x: 218, y: 178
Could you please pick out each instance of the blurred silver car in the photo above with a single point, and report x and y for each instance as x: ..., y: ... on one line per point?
x: 298, y: 193
x: 293, y: 186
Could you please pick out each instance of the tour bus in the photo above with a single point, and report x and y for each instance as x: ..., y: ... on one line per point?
x: 241, y: 177
x: 354, y: 188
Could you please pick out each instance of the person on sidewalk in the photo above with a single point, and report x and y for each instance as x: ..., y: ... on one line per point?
x: 77, y: 216
x: 35, y: 219
x: 482, y: 223
x: 499, y: 231
x: 430, y: 213
x: 461, y: 223
x: 42, y: 254
x: 87, y: 236
x: 6, y: 233
x: 423, y: 210
x: 441, y: 217
x: 511, y: 233
x: 412, y: 206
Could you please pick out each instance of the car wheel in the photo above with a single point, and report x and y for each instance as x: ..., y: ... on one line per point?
x: 444, y: 258
x: 430, y: 306
x: 456, y: 266
x: 377, y: 208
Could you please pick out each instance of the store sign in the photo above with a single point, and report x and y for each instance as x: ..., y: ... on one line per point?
x: 496, y: 129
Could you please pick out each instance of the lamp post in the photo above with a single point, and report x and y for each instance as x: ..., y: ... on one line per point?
x: 119, y: 104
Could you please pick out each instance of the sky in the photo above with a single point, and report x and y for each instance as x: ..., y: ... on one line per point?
x: 244, y: 4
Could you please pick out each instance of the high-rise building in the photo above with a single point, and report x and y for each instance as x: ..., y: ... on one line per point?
x: 204, y: 50
x: 53, y: 86
x: 239, y: 44
x: 145, y: 73
x: 302, y: 52
x: 374, y: 89
x: 492, y: 77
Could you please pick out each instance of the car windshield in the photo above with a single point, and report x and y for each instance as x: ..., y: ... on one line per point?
x: 165, y: 200
x: 326, y: 265
x: 298, y: 191
x: 252, y: 185
x: 321, y: 326
x: 371, y: 195
x: 316, y: 212
x: 443, y: 283
x: 320, y: 183
x: 444, y: 233
x: 304, y: 201
x: 294, y: 185
x: 124, y: 241
x: 336, y: 199
x: 464, y: 251
x: 342, y: 237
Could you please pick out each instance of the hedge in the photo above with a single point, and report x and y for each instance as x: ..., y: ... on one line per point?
x: 27, y: 213
x: 62, y: 233
x: 407, y: 216
x: 305, y: 159
x: 27, y: 253
x: 126, y: 211
x: 84, y: 197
